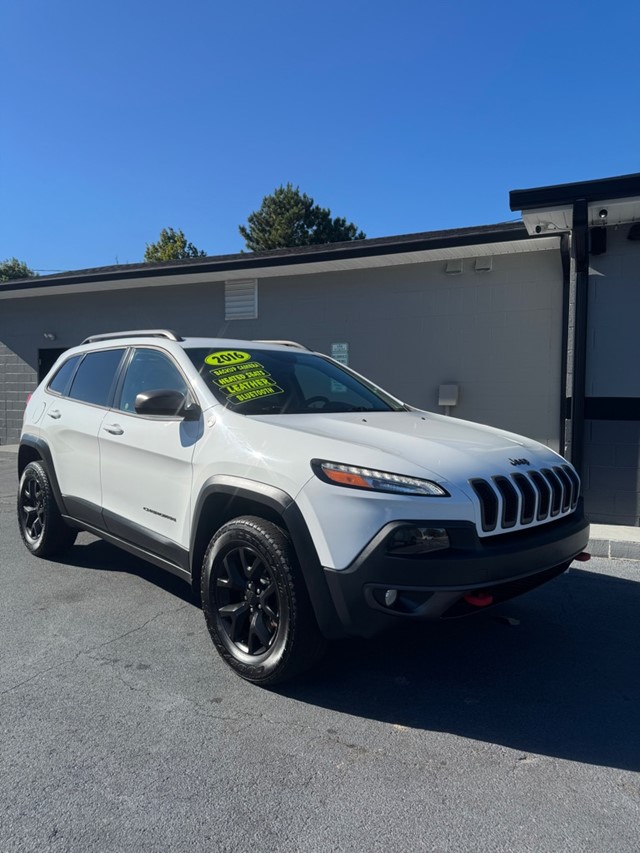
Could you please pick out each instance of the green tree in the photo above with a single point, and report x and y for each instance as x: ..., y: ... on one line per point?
x: 288, y: 218
x: 171, y: 246
x: 12, y: 269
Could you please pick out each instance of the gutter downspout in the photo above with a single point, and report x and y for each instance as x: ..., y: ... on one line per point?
x: 580, y: 251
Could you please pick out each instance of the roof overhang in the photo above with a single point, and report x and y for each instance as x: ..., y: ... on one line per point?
x: 502, y: 239
x: 610, y: 201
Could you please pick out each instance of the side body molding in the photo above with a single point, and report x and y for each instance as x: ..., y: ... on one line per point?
x: 87, y: 516
x: 232, y: 496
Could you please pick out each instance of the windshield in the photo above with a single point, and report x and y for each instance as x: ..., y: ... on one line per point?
x: 269, y: 382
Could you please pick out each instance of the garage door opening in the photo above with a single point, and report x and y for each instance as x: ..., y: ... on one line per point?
x: 46, y: 360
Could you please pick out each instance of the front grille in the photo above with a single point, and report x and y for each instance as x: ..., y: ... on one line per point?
x: 526, y: 498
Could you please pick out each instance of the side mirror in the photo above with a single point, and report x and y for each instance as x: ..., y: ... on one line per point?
x: 191, y: 412
x: 161, y: 401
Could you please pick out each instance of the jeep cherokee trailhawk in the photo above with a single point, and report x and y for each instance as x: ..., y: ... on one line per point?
x: 301, y: 501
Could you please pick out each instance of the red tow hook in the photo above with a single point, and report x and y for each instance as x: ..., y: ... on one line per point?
x: 479, y: 599
x: 583, y: 557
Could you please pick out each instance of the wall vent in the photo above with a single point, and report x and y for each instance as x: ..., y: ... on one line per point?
x: 241, y: 299
x: 484, y: 264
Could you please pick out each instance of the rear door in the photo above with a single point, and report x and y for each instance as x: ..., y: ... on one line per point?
x: 146, y: 460
x: 76, y: 407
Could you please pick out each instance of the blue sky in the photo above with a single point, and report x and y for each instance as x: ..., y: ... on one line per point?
x: 121, y: 118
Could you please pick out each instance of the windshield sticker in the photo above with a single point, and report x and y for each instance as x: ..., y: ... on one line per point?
x: 227, y: 356
x: 241, y: 379
x: 226, y: 375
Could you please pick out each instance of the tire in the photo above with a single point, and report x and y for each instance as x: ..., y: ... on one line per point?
x: 42, y: 528
x: 256, y: 603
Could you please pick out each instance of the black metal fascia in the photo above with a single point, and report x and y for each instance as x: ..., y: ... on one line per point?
x: 580, y: 240
x: 622, y: 186
x: 504, y: 233
x: 565, y: 257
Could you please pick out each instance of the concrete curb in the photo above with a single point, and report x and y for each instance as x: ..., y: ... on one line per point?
x: 614, y: 541
x: 611, y: 549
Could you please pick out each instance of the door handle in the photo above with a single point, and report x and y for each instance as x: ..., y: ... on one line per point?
x: 114, y: 429
x: 55, y: 414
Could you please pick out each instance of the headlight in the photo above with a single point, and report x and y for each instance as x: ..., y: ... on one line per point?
x: 354, y: 477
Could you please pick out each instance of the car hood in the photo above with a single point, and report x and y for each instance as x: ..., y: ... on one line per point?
x: 445, y: 446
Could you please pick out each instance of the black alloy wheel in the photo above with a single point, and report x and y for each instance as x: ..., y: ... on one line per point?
x: 43, y: 530
x: 247, y: 600
x: 256, y: 602
x: 32, y: 508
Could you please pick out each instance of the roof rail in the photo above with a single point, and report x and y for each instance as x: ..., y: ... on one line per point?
x: 293, y: 344
x: 135, y: 333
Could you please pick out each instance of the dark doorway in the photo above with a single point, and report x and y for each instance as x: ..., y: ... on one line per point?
x: 46, y: 359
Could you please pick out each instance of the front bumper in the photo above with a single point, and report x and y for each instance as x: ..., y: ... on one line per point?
x: 434, y: 586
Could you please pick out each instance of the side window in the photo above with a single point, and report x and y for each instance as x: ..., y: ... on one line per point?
x: 62, y: 377
x: 149, y: 370
x: 94, y: 378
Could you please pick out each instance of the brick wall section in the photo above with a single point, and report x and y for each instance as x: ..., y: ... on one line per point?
x: 612, y: 474
x: 17, y: 379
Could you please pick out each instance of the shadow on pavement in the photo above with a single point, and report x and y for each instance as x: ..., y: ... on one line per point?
x: 563, y: 682
x: 91, y: 553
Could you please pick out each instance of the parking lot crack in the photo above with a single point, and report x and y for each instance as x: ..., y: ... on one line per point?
x: 131, y: 631
x: 91, y: 649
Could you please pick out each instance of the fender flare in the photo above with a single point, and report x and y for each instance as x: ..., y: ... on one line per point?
x: 42, y: 449
x: 284, y: 506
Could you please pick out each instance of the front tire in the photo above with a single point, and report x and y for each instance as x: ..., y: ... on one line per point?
x: 43, y: 530
x: 256, y: 603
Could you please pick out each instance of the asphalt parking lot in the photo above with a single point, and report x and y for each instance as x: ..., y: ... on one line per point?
x: 122, y: 730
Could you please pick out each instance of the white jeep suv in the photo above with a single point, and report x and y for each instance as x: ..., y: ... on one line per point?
x: 301, y: 501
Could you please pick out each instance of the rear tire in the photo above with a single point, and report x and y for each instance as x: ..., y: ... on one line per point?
x: 256, y: 602
x: 43, y: 530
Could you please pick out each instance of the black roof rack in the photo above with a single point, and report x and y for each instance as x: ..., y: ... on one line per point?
x: 135, y: 333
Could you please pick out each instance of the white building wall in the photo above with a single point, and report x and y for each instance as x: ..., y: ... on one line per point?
x: 498, y: 334
x: 411, y: 328
x: 612, y: 443
x: 613, y: 362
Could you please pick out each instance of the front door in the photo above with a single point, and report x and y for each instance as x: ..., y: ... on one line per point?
x: 146, y: 461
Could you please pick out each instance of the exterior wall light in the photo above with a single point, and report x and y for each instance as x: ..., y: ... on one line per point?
x: 448, y: 397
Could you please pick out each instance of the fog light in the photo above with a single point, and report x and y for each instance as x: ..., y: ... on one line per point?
x: 412, y: 539
x: 390, y: 597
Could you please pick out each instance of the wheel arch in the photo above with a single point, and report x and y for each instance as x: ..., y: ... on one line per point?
x: 223, y: 498
x: 28, y: 452
x: 35, y: 449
